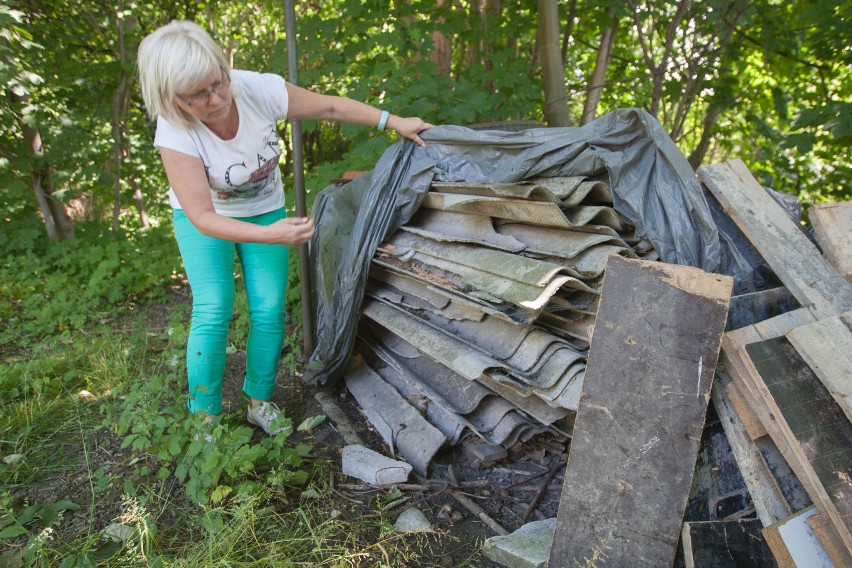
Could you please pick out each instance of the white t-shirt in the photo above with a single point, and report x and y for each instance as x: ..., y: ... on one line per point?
x: 242, y: 172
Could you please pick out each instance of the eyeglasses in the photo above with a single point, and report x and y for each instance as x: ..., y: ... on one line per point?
x: 202, y: 97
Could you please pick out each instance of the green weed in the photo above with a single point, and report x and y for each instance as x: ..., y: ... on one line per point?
x: 153, y: 418
x: 50, y: 288
x: 103, y: 469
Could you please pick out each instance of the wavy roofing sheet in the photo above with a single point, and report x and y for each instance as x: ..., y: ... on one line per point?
x: 566, y: 191
x: 480, y: 311
x: 482, y: 412
x: 533, y: 212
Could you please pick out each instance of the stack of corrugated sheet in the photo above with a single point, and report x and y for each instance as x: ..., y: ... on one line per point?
x: 480, y: 310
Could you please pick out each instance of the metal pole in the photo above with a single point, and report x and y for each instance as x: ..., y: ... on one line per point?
x: 299, y: 182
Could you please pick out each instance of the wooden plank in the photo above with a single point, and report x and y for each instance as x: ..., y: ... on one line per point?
x: 770, y: 505
x: 830, y: 540
x: 767, y: 329
x: 789, y: 253
x: 734, y: 341
x: 718, y: 490
x: 791, y: 488
x: 726, y: 544
x: 794, y: 543
x: 826, y: 346
x: 639, y: 422
x: 832, y: 224
x: 809, y: 428
x: 753, y: 426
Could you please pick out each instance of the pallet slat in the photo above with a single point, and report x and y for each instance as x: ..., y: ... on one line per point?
x: 790, y: 254
x: 832, y: 223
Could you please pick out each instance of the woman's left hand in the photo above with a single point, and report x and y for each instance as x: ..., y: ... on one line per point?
x: 410, y: 128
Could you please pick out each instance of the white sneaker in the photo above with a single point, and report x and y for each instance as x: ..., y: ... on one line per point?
x: 268, y: 416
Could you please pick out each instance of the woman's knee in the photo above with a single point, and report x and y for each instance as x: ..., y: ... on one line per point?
x: 267, y: 312
x: 216, y: 313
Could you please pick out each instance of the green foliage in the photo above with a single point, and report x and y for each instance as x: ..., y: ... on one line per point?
x: 791, y: 72
x: 153, y: 419
x: 73, y: 495
x: 44, y: 515
x: 40, y: 376
x: 48, y: 288
x: 14, y: 524
x: 782, y: 83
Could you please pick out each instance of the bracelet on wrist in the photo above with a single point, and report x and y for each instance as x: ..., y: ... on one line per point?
x: 383, y: 120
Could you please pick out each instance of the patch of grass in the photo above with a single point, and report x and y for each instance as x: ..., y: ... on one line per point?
x: 99, y: 466
x: 100, y: 426
x: 65, y: 288
x: 52, y: 440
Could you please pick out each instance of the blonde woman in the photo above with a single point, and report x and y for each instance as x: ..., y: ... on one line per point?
x: 217, y: 136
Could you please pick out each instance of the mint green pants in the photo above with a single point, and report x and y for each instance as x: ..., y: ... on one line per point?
x: 209, y: 264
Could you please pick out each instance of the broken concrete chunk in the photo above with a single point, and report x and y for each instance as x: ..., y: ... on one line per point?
x: 412, y: 520
x: 527, y: 547
x: 372, y: 467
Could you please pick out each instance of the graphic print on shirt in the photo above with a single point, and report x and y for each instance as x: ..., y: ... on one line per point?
x: 243, y: 182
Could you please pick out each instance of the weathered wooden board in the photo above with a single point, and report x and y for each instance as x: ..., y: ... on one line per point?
x: 753, y: 426
x: 726, y: 544
x: 826, y: 346
x: 639, y: 422
x: 718, y: 490
x: 748, y: 309
x: 830, y: 540
x: 810, y: 429
x: 734, y: 341
x: 791, y: 488
x: 794, y: 543
x: 790, y: 254
x: 769, y: 502
x: 832, y: 224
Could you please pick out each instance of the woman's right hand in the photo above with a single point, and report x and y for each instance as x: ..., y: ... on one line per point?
x: 292, y: 231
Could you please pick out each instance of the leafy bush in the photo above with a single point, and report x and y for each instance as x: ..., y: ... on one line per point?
x: 153, y: 418
x: 46, y: 288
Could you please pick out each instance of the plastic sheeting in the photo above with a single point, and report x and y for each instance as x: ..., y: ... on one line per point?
x: 652, y: 183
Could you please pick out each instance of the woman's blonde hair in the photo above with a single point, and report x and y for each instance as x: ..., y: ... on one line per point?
x: 176, y: 58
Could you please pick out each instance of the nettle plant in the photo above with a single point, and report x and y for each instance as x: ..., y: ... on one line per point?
x: 153, y: 419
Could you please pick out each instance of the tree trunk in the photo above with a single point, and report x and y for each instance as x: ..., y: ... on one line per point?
x: 694, y: 83
x: 696, y: 157
x: 140, y: 204
x: 121, y: 149
x: 658, y: 70
x: 442, y: 54
x: 119, y: 96
x: 596, y: 84
x: 552, y: 65
x: 57, y: 222
x: 705, y: 58
x: 659, y: 77
x: 569, y: 28
x: 488, y: 10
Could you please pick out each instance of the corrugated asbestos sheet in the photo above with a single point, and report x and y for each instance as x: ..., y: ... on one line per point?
x: 480, y: 310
